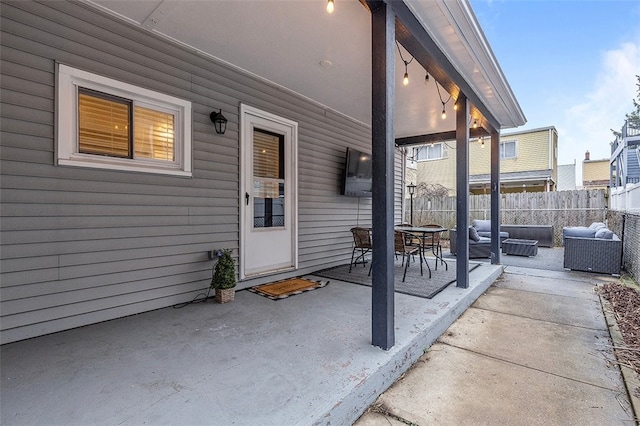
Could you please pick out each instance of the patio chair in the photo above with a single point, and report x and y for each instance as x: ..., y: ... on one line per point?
x: 361, y: 242
x: 412, y: 240
x: 435, y: 242
x: 406, y: 250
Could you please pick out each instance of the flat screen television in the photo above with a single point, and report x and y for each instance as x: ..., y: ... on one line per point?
x: 357, y: 174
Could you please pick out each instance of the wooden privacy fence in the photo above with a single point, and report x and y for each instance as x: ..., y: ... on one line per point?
x: 560, y: 209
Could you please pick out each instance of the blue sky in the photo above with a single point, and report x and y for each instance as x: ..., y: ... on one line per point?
x: 571, y: 64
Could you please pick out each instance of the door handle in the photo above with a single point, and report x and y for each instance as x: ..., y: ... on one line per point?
x: 246, y: 197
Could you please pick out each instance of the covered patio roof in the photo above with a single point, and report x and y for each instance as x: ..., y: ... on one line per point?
x: 326, y: 57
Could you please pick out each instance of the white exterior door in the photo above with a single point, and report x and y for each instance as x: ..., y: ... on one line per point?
x: 268, y: 191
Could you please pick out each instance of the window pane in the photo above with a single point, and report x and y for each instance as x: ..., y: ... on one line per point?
x: 268, y: 158
x: 268, y: 204
x: 429, y: 152
x: 435, y: 151
x: 153, y: 134
x: 103, y: 125
x: 268, y: 180
x: 508, y: 149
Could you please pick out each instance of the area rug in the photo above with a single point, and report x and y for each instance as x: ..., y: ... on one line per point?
x: 285, y: 288
x: 414, y: 284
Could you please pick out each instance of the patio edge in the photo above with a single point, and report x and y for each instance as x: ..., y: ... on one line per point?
x: 352, y: 405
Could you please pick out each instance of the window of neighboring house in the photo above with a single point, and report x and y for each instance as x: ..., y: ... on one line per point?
x: 433, y: 151
x: 104, y: 123
x: 508, y: 149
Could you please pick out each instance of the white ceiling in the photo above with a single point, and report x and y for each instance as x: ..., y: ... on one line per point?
x: 325, y: 57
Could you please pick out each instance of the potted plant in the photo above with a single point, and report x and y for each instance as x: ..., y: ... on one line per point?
x: 224, y: 277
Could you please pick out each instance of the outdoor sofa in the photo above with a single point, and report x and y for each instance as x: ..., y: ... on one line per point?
x: 543, y: 234
x: 479, y: 245
x: 592, y: 249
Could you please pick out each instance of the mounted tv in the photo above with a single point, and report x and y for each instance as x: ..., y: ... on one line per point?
x: 357, y: 174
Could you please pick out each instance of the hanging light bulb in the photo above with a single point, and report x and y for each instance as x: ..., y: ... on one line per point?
x: 475, y: 124
x: 426, y: 79
x: 481, y: 142
x: 330, y: 6
x: 455, y: 106
x: 405, y: 79
x: 444, y: 113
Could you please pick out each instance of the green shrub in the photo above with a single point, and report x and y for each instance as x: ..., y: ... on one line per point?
x: 224, y: 271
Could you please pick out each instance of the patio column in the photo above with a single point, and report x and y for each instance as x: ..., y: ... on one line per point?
x: 495, y: 197
x: 462, y: 191
x: 383, y: 140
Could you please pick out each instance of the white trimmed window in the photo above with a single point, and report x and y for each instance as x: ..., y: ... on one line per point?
x: 104, y: 123
x: 508, y: 149
x: 434, y: 151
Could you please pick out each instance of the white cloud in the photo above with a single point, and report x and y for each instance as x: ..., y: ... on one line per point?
x: 586, y: 124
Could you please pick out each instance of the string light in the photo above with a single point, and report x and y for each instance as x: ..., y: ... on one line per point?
x: 444, y: 111
x: 330, y: 6
x: 475, y: 124
x: 481, y: 142
x: 405, y: 79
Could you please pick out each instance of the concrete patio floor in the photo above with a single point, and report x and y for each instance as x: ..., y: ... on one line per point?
x: 534, y: 349
x: 303, y: 360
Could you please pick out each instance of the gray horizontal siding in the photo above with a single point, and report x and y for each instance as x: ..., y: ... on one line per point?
x: 80, y: 245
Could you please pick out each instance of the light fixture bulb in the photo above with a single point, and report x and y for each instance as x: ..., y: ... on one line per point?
x: 455, y: 106
x: 444, y: 113
x: 475, y: 124
x: 330, y: 6
x: 426, y: 78
x: 482, y: 143
x: 405, y: 80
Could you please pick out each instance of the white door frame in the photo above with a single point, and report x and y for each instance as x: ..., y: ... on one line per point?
x: 249, y: 117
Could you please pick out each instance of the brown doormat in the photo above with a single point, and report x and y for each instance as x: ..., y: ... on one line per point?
x: 285, y: 288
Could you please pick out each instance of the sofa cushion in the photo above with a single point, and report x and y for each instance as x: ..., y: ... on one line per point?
x: 482, y: 225
x: 597, y: 225
x: 578, y: 231
x: 503, y: 235
x: 473, y: 234
x: 604, y: 233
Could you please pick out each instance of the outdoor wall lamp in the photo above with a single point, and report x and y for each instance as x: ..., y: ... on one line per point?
x: 219, y: 122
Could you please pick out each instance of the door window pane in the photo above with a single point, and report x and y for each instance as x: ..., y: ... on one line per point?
x: 268, y: 179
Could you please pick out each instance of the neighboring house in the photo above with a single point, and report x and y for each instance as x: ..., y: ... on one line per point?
x: 528, y: 162
x: 625, y: 156
x: 115, y: 185
x: 625, y: 169
x: 595, y: 173
x: 566, y: 177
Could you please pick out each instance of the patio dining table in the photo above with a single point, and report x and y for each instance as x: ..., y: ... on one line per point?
x: 424, y: 233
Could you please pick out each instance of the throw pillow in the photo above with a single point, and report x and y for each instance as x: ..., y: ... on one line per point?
x: 482, y: 225
x: 578, y: 231
x: 597, y: 225
x: 604, y: 233
x: 473, y: 234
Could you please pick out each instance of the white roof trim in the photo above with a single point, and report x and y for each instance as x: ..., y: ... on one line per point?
x: 455, y: 29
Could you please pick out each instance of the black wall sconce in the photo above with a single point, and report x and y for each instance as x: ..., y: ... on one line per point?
x: 219, y: 122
